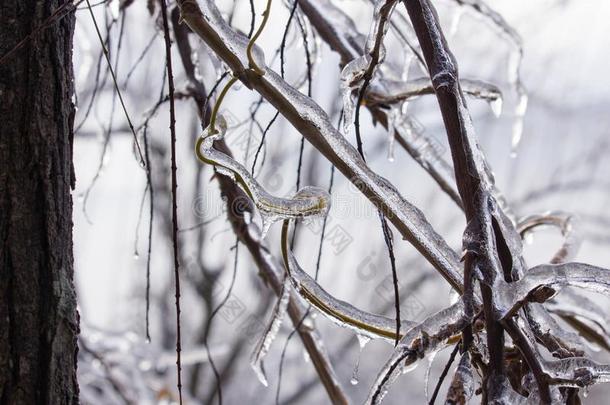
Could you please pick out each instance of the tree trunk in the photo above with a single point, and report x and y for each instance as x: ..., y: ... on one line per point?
x: 38, y: 316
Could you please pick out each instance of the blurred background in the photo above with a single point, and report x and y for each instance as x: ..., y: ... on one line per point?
x: 560, y: 163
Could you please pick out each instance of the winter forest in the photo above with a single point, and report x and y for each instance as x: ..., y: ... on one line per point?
x: 304, y: 202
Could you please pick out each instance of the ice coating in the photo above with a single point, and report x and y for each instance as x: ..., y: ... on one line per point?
x: 307, y: 202
x: 540, y: 281
x: 365, y: 324
x: 576, y: 372
x: 567, y: 223
x: 462, y: 385
x: 394, y: 91
x: 429, y: 336
x: 316, y: 126
x: 264, y: 343
x: 339, y: 32
x: 360, y: 71
x: 431, y: 358
x: 296, y: 310
x: 570, y: 304
x: 559, y: 341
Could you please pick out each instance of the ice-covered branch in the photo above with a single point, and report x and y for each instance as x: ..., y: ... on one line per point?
x: 492, y: 248
x: 542, y: 282
x: 309, y: 119
x: 392, y: 92
x: 307, y: 202
x: 339, y: 32
x: 341, y: 313
x: 430, y: 335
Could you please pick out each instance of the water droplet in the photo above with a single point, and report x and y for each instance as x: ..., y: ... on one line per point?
x: 363, y: 340
x: 136, y: 255
x: 496, y: 106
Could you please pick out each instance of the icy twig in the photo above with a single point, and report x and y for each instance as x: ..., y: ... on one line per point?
x: 541, y: 282
x: 339, y: 312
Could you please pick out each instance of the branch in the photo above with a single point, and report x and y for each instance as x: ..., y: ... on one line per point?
x: 314, y: 124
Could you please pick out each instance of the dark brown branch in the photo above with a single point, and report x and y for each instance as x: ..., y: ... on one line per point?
x: 472, y: 181
x: 172, y: 128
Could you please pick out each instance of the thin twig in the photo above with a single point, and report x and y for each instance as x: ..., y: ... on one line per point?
x: 443, y: 375
x: 172, y: 128
x: 114, y: 80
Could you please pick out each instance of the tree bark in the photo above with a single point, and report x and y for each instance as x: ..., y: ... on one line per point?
x: 38, y: 315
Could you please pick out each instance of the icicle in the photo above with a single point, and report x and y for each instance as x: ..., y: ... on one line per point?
x: 136, y: 152
x: 430, y: 335
x: 266, y: 225
x: 351, y: 78
x: 518, y: 124
x: 431, y: 358
x: 355, y: 72
x: 496, y: 106
x: 264, y: 343
x: 405, y: 75
x: 114, y: 7
x: 516, y: 56
x: 394, y: 115
x: 362, y: 341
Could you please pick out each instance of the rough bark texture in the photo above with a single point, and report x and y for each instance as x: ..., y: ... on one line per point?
x: 38, y: 316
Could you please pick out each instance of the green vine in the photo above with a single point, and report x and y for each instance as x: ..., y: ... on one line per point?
x: 251, y: 62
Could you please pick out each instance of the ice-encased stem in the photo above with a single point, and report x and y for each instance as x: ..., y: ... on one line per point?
x: 511, y: 296
x: 339, y: 312
x: 266, y: 339
x: 307, y: 202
